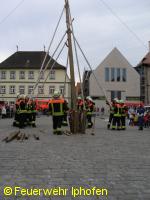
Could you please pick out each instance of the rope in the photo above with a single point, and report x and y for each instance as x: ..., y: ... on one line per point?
x: 76, y: 54
x: 11, y: 12
x: 53, y: 64
x: 65, y: 75
x: 122, y: 22
x: 42, y: 66
x: 91, y: 69
x: 48, y: 62
x: 51, y: 41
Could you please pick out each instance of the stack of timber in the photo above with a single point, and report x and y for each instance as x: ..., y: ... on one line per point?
x: 19, y: 136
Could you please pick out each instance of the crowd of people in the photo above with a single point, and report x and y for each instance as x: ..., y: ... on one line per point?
x: 6, y: 111
x: 133, y: 117
x: 25, y: 113
x: 119, y: 112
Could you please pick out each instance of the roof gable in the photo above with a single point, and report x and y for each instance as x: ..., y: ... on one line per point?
x: 115, y: 59
x: 145, y: 60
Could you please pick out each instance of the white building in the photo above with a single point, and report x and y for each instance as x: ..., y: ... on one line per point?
x: 19, y: 74
x: 118, y: 79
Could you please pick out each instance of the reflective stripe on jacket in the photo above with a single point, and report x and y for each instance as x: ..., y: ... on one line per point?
x: 57, y: 107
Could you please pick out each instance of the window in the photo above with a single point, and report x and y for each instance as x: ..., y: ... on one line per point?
x: 12, y: 75
x: 118, y: 75
x: 106, y: 74
x: 22, y: 75
x: 112, y: 74
x: 3, y: 74
x: 11, y: 103
x: 2, y: 89
x: 41, y: 89
x: 124, y: 75
x: 115, y: 74
x: 12, y: 89
x: 141, y: 71
x: 143, y: 90
x: 31, y: 75
x: 21, y: 89
x: 30, y: 89
x: 62, y: 89
x: 42, y: 75
x: 142, y: 80
x: 115, y: 94
x: 51, y: 89
x: 52, y: 74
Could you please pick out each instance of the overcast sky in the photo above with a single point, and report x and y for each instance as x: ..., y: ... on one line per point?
x: 97, y: 28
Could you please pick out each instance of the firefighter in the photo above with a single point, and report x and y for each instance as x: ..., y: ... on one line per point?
x: 57, y: 106
x: 22, y: 111
x: 80, y: 104
x: 32, y: 112
x: 124, y: 110
x: 64, y: 118
x: 81, y: 110
x: 111, y: 106
x: 27, y: 113
x: 89, y: 108
x: 116, y: 123
x: 16, y: 117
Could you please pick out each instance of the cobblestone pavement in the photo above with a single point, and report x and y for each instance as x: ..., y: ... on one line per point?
x: 116, y: 160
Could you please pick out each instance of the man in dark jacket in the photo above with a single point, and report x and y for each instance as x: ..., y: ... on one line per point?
x: 140, y: 113
x: 57, y: 107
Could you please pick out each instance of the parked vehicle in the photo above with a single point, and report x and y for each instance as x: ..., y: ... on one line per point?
x: 42, y: 104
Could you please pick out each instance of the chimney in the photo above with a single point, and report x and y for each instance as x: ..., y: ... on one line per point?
x: 149, y: 45
x: 17, y: 47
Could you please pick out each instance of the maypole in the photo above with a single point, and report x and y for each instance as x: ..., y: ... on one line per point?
x: 73, y: 114
x: 70, y: 54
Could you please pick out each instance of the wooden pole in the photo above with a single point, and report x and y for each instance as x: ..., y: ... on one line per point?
x: 70, y: 53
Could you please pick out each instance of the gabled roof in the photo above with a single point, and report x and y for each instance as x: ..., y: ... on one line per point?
x: 28, y: 60
x: 116, y: 59
x: 146, y: 60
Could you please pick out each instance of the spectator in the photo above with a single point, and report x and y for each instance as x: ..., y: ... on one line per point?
x: 102, y: 111
x: 3, y: 112
x: 97, y: 110
x: 146, y: 119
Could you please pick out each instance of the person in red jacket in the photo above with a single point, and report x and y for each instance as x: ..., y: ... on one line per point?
x: 90, y: 106
x: 80, y: 104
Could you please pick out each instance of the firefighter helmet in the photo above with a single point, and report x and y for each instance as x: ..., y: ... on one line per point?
x: 89, y: 98
x: 18, y: 95
x: 115, y: 99
x: 121, y: 101
x: 56, y: 94
x: 22, y: 96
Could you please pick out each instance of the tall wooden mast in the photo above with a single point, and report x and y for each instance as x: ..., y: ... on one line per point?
x: 70, y: 53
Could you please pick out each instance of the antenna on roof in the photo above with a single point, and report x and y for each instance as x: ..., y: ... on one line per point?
x: 17, y: 47
x: 44, y: 48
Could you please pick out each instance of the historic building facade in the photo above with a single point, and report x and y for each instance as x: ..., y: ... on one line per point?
x: 19, y: 74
